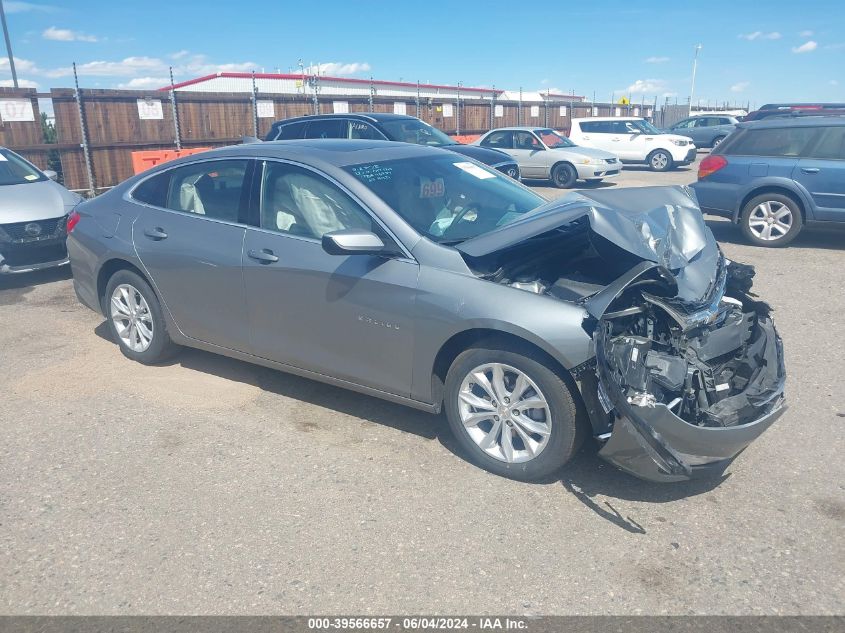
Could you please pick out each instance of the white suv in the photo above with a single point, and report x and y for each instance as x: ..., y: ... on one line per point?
x: 634, y: 140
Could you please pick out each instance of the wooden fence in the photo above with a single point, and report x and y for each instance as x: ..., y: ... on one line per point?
x: 113, y: 127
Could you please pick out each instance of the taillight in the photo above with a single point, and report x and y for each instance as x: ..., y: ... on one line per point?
x: 72, y: 220
x: 711, y: 165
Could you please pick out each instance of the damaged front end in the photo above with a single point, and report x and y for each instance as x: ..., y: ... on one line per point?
x: 684, y: 387
x: 688, y: 366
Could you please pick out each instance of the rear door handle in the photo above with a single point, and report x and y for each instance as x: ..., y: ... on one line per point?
x: 810, y: 170
x: 156, y: 234
x: 265, y: 256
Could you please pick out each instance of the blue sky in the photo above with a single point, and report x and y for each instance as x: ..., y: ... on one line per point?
x: 769, y: 50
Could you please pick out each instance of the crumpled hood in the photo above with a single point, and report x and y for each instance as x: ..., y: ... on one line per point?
x: 35, y: 201
x: 663, y: 225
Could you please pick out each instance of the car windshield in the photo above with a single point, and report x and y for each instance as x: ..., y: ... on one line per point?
x: 14, y: 170
x: 447, y: 198
x: 554, y: 139
x: 416, y: 132
x: 644, y: 126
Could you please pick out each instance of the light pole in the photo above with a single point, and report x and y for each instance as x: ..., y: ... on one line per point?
x: 694, y: 68
x: 8, y: 46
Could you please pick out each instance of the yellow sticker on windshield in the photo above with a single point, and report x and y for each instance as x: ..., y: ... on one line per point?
x: 31, y: 177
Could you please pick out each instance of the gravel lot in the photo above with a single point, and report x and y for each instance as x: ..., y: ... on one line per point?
x: 210, y: 486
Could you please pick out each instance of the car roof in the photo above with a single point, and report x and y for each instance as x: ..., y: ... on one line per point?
x: 802, y: 121
x: 521, y: 128
x: 374, y: 117
x: 608, y: 118
x: 335, y: 152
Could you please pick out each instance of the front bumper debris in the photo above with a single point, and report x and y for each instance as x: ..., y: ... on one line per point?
x: 684, y: 396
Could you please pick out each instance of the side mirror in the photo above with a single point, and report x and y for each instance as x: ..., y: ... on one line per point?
x: 353, y: 242
x: 51, y: 174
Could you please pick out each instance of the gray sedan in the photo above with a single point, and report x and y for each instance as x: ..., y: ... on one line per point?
x: 428, y: 279
x: 546, y: 154
x: 705, y: 131
x: 33, y: 216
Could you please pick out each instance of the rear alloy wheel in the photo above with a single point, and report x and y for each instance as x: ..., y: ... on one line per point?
x: 770, y: 220
x: 135, y: 319
x: 564, y: 176
x: 716, y: 141
x: 512, y: 414
x: 660, y: 160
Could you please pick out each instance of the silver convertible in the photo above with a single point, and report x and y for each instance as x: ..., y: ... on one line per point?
x: 423, y: 277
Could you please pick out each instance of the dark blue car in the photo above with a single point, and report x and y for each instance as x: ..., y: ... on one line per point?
x: 773, y: 177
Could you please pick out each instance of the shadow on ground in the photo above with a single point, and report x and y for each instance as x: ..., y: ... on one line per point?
x: 13, y: 288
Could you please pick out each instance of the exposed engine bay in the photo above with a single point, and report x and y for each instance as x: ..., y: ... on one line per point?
x: 681, y: 342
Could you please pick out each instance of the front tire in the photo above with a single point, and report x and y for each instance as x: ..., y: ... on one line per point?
x: 771, y: 220
x: 511, y: 413
x: 564, y: 176
x: 660, y: 160
x: 135, y: 319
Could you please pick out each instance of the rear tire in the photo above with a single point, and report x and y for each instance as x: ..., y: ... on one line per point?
x: 770, y: 219
x: 716, y: 141
x: 543, y: 437
x: 660, y: 160
x: 135, y: 319
x: 564, y: 176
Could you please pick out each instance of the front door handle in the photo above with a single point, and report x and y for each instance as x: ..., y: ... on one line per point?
x: 810, y: 170
x: 265, y: 256
x: 156, y: 234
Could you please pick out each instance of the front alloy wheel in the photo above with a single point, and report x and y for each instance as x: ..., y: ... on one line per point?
x: 512, y: 413
x: 660, y: 160
x: 505, y: 412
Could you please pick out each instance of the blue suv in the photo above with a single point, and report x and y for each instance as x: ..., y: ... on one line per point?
x: 774, y: 176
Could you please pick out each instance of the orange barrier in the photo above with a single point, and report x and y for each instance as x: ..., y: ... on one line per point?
x: 466, y: 138
x: 142, y: 161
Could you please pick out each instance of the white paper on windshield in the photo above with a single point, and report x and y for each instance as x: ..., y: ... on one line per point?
x: 475, y: 170
x: 447, y: 110
x: 429, y: 188
x: 499, y: 111
x: 31, y: 177
x: 535, y: 111
x: 265, y: 109
x: 16, y: 110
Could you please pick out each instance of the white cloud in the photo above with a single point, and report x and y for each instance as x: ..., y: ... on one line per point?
x: 760, y: 35
x: 66, y: 35
x: 127, y: 67
x: 179, y: 54
x: 22, y: 83
x: 338, y: 69
x: 740, y: 86
x: 656, y: 60
x: 646, y: 86
x: 806, y: 47
x: 21, y: 66
x: 805, y: 34
x: 24, y: 7
x: 140, y: 83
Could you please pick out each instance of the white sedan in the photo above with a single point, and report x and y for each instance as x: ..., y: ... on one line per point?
x: 544, y: 153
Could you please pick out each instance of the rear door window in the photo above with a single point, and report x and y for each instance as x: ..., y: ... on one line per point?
x: 213, y: 189
x: 502, y: 140
x: 362, y: 129
x: 291, y: 131
x: 327, y: 128
x: 831, y: 145
x: 786, y: 141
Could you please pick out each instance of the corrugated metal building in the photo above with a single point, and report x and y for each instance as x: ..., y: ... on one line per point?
x: 269, y: 83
